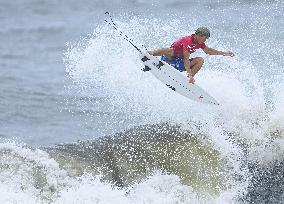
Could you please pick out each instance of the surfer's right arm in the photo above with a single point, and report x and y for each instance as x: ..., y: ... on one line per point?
x: 187, y: 66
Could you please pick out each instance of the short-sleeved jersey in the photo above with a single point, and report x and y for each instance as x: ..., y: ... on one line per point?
x: 186, y: 44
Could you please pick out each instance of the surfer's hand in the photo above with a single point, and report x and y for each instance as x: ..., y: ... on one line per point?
x: 229, y: 53
x: 191, y: 79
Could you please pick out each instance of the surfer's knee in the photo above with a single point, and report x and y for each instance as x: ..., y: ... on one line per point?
x: 169, y: 52
x: 200, y: 60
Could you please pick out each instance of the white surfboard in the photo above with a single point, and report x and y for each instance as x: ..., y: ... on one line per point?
x: 175, y: 80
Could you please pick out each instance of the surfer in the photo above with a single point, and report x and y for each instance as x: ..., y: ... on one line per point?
x: 178, y: 54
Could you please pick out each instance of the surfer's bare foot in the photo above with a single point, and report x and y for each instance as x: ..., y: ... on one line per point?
x: 191, y: 80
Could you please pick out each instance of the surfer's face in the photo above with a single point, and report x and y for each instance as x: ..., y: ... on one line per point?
x: 200, y: 38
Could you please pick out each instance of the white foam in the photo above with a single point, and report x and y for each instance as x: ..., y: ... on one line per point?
x: 109, y: 61
x: 240, y: 121
x: 18, y: 185
x: 21, y: 170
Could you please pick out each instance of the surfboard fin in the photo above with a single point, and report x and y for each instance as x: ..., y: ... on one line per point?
x: 146, y: 69
x: 160, y: 64
x: 144, y: 59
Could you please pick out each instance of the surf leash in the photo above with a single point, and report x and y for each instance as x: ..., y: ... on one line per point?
x: 124, y: 36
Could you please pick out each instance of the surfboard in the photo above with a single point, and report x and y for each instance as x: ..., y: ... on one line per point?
x: 174, y: 79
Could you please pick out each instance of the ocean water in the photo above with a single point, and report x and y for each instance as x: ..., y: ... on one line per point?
x: 81, y: 123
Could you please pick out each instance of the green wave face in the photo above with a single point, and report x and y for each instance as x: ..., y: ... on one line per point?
x: 131, y: 156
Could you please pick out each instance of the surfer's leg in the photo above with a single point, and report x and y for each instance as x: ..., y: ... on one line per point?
x: 168, y: 52
x: 196, y: 64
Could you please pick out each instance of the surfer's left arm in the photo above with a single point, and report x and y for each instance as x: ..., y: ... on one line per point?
x: 211, y: 51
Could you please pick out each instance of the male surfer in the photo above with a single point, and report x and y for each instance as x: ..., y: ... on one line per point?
x: 178, y: 54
